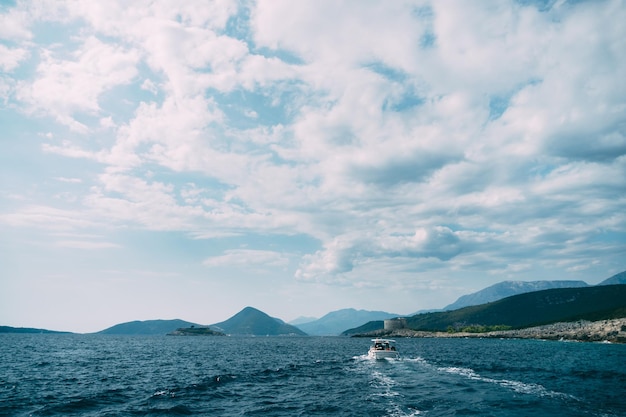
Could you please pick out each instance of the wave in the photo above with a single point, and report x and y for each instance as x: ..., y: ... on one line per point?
x: 517, y: 386
x: 384, y: 389
x: 155, y: 376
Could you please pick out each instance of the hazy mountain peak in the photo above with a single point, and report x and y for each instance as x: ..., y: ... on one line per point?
x: 508, y: 288
x: 301, y: 320
x: 615, y: 279
x: 337, y: 321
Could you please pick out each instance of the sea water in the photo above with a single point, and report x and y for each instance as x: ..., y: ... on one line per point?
x: 98, y: 375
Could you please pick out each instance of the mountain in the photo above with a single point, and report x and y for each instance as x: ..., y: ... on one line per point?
x: 615, y: 279
x: 526, y: 310
x: 335, y: 322
x: 8, y: 329
x: 302, y: 320
x: 508, y: 288
x: 251, y: 321
x: 148, y: 327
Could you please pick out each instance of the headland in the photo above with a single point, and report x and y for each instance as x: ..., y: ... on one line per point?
x: 613, y: 331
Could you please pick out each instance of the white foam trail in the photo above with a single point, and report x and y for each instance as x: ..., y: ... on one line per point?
x: 418, y: 359
x: 397, y: 412
x: 384, y: 388
x: 466, y: 372
x: 517, y: 386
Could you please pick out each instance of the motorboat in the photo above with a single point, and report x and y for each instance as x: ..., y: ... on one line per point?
x: 382, y: 349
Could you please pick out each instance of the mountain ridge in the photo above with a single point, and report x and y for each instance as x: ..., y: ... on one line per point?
x: 619, y: 278
x: 524, y: 310
x: 505, y: 289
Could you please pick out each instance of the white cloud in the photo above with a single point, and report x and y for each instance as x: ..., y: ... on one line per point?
x: 6, y: 87
x: 402, y: 139
x: 124, y: 198
x: 64, y: 88
x: 85, y: 244
x: 114, y: 17
x: 14, y: 25
x: 69, y: 180
x: 345, y: 253
x: 248, y: 258
x: 148, y: 85
x: 10, y: 58
x: 71, y: 151
x: 47, y: 218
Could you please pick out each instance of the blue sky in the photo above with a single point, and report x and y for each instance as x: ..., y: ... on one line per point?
x: 167, y: 159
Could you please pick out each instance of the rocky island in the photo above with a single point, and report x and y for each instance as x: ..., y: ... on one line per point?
x: 195, y: 331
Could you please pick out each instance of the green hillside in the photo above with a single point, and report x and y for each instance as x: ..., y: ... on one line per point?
x: 526, y: 310
x: 147, y: 327
x: 251, y: 321
x: 9, y: 329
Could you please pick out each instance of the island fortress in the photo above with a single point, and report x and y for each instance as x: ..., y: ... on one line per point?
x: 395, y: 324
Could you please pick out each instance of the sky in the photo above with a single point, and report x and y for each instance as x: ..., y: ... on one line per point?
x: 166, y: 159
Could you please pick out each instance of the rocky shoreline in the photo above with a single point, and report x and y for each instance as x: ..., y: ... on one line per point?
x: 613, y: 331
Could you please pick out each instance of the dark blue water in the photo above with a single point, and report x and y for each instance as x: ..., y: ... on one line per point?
x: 89, y: 375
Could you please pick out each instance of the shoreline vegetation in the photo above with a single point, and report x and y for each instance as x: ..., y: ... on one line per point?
x: 613, y: 331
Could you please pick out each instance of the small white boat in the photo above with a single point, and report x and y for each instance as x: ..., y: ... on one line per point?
x: 383, y: 348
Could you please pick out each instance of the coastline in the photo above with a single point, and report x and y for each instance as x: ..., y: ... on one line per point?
x: 613, y: 331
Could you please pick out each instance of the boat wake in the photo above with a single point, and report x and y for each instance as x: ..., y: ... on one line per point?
x: 517, y: 386
x: 385, y: 388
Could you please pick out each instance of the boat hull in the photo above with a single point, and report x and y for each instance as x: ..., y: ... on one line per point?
x: 383, y: 354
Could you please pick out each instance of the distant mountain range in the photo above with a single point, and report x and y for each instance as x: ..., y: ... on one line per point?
x: 536, y: 308
x: 509, y: 288
x: 333, y: 323
x: 248, y: 321
x: 251, y: 321
x: 302, y: 320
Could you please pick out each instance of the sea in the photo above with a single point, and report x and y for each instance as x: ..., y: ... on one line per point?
x: 103, y: 375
